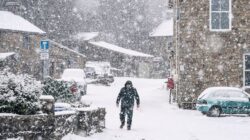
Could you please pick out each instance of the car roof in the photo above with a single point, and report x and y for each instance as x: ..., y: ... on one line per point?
x: 212, y: 89
x: 223, y: 88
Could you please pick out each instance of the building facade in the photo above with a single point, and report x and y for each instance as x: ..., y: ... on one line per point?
x: 162, y: 39
x: 21, y: 37
x: 24, y: 45
x: 211, y: 45
x: 62, y: 57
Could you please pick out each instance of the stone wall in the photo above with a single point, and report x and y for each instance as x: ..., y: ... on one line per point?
x: 52, y: 127
x: 64, y: 124
x: 206, y: 58
x: 25, y: 125
x: 91, y: 121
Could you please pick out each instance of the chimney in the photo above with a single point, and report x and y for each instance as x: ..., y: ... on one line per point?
x: 13, y: 6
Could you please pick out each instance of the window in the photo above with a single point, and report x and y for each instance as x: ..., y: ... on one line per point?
x: 220, y: 15
x: 233, y: 95
x: 246, y: 70
x: 26, y: 41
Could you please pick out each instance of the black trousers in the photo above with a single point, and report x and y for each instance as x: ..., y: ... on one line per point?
x: 126, y: 111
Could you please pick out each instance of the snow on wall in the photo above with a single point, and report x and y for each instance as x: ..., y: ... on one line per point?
x: 10, y: 21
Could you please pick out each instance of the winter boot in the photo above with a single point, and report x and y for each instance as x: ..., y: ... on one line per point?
x: 129, y: 127
x: 121, y: 126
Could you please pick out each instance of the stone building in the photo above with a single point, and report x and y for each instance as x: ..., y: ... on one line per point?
x: 62, y: 57
x: 23, y: 38
x: 129, y: 62
x: 162, y: 40
x: 211, y: 45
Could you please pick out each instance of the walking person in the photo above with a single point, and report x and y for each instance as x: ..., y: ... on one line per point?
x: 128, y: 94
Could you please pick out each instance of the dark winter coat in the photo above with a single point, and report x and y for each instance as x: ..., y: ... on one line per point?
x: 128, y: 96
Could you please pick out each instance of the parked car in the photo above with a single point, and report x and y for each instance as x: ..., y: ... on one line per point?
x: 76, y: 78
x: 90, y: 72
x: 215, y: 101
x: 99, y: 71
x: 105, y: 79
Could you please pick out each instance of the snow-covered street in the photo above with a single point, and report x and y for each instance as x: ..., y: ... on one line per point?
x: 64, y: 65
x: 157, y: 120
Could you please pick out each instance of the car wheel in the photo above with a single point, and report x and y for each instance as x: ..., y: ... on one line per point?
x: 82, y: 93
x: 214, y: 112
x: 203, y: 113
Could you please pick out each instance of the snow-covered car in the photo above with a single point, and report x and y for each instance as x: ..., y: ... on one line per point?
x: 90, y: 72
x: 215, y: 101
x: 105, y: 79
x: 100, y: 71
x: 76, y: 78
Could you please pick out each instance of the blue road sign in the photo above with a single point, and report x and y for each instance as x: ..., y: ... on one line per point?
x: 44, y: 45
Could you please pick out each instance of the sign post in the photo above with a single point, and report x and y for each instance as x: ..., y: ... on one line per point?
x: 44, y: 55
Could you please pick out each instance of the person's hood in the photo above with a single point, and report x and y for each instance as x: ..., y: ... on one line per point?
x: 128, y: 82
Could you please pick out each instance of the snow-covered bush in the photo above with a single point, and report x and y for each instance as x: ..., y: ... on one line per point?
x: 60, y: 90
x: 19, y: 94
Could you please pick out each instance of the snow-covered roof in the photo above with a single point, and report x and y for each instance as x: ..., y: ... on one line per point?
x: 5, y: 55
x: 85, y: 36
x: 10, y: 21
x: 164, y: 29
x: 118, y: 49
x: 66, y: 48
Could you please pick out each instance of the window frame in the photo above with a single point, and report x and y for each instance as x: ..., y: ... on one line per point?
x: 229, y: 14
x: 245, y: 70
x: 27, y: 41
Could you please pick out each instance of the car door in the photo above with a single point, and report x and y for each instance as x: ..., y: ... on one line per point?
x: 246, y: 104
x: 238, y: 101
x: 224, y: 101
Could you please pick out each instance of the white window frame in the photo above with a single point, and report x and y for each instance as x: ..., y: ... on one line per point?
x: 230, y: 18
x: 244, y: 70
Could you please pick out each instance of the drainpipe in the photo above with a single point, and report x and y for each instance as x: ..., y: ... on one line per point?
x: 176, y: 49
